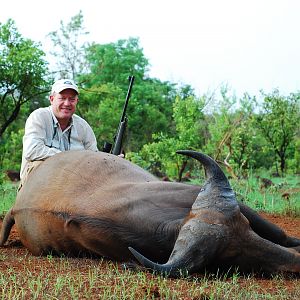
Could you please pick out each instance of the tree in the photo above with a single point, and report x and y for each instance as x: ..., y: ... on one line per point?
x: 114, y: 62
x: 278, y: 120
x: 244, y: 139
x: 22, y: 73
x: 188, y: 119
x: 104, y: 89
x: 69, y: 48
x: 222, y: 125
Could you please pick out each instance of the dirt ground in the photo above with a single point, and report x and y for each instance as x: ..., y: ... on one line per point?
x: 14, y: 255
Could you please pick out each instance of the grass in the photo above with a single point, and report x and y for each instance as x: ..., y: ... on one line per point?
x: 270, y: 199
x: 281, y: 197
x: 72, y: 278
x: 8, y: 192
x: 23, y: 276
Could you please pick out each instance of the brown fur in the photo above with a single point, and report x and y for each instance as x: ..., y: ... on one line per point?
x: 82, y: 202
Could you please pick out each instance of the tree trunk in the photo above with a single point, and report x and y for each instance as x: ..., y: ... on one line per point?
x: 282, y: 164
x: 181, y: 170
x: 11, y: 118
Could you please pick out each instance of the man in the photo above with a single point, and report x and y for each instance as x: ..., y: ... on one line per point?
x: 56, y: 128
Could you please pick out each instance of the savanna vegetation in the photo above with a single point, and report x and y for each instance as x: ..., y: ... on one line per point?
x: 243, y: 134
x: 247, y: 135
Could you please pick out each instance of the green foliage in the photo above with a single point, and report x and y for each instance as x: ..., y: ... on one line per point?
x: 296, y: 160
x: 11, y: 150
x: 243, y: 134
x: 22, y: 73
x: 105, y: 87
x: 188, y: 118
x: 243, y: 137
x: 221, y: 124
x: 149, y: 111
x: 101, y: 107
x: 114, y: 62
x: 161, y: 156
x: 161, y: 153
x: 278, y: 121
x: 246, y: 144
x: 8, y: 192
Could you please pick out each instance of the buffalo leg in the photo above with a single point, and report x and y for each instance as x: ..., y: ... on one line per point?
x: 266, y: 229
x: 7, y: 224
x: 261, y: 254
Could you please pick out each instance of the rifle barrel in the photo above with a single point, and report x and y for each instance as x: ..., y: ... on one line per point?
x: 123, y: 122
x: 131, y: 80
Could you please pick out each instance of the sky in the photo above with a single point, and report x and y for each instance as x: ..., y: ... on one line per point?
x: 247, y: 46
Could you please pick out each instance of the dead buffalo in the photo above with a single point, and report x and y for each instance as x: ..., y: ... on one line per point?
x: 85, y: 202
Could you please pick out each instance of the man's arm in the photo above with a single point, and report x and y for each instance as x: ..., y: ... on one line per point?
x: 36, y: 138
x: 90, y: 142
x: 83, y: 136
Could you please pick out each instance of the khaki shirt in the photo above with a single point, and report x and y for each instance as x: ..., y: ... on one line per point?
x: 43, y: 136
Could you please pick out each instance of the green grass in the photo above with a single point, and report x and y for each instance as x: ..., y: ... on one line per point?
x: 282, y: 197
x: 248, y: 190
x: 8, y: 192
x: 99, y: 279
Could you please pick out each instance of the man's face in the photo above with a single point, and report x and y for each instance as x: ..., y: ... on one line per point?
x: 64, y: 104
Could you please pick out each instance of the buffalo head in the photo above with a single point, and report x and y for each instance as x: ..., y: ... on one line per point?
x: 216, y: 234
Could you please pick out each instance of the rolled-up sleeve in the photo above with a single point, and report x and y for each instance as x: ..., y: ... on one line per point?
x: 35, y: 138
x: 82, y: 136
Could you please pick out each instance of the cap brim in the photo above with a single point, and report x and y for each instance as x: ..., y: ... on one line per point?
x: 65, y: 87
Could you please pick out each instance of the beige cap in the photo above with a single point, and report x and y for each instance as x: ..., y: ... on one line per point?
x: 63, y: 84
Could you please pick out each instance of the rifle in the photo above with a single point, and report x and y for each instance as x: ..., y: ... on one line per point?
x: 122, y: 125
